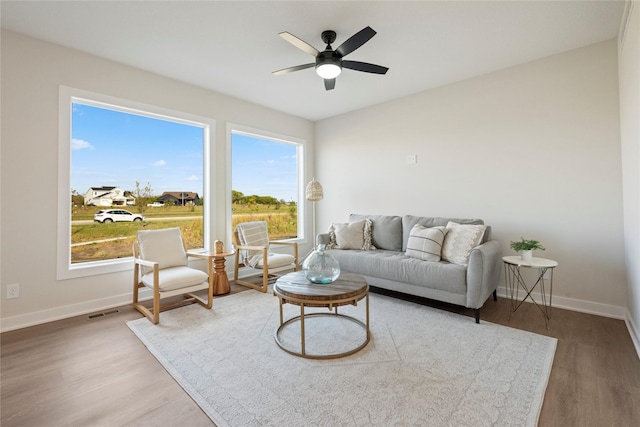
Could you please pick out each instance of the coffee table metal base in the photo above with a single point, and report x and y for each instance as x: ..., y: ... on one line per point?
x: 347, y: 290
x: 302, y: 318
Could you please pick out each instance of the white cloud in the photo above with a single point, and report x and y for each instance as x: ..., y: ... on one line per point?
x: 160, y: 163
x: 79, y: 144
x: 193, y: 178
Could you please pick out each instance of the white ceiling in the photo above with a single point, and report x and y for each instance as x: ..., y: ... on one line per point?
x: 232, y: 47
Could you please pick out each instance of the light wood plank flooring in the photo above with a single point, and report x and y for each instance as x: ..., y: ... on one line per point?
x: 95, y: 372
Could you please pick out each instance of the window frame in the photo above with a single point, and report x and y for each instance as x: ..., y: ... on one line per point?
x: 301, y: 145
x: 67, y: 96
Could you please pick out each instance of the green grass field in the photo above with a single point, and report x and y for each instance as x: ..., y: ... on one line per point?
x: 115, y: 240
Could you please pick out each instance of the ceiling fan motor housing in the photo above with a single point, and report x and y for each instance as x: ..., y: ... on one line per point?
x: 328, y: 36
x: 328, y: 57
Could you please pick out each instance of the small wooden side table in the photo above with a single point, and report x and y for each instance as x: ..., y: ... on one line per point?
x: 219, y: 276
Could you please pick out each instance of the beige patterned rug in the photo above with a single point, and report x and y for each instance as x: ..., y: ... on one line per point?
x: 422, y: 367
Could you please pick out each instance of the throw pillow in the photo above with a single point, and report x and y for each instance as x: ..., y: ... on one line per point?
x: 459, y: 241
x: 426, y: 242
x: 351, y: 235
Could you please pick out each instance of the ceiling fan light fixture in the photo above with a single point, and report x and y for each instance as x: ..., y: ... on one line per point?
x: 328, y: 71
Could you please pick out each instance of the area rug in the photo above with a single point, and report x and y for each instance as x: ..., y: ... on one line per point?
x: 422, y: 366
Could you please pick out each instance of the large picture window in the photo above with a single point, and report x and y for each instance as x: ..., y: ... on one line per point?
x: 266, y: 181
x: 130, y: 167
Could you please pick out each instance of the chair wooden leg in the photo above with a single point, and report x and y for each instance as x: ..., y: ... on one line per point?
x: 156, y: 306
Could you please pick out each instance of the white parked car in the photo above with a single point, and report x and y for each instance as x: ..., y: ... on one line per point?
x: 114, y: 215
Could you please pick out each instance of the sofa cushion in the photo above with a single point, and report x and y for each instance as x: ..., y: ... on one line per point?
x: 397, y: 267
x: 351, y: 235
x: 426, y: 242
x: 408, y: 221
x: 459, y: 241
x: 386, y: 230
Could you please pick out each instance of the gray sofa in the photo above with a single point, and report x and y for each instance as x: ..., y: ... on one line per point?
x: 388, y: 266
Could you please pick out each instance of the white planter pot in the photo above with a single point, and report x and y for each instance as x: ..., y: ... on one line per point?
x: 526, y: 255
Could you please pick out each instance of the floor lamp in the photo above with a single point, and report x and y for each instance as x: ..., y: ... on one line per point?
x: 314, y: 193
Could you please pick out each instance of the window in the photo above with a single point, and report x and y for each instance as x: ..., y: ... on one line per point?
x: 125, y: 166
x: 266, y: 176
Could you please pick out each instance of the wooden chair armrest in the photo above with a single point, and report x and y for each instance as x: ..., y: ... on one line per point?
x: 199, y: 255
x: 145, y: 263
x: 252, y: 248
x: 277, y: 242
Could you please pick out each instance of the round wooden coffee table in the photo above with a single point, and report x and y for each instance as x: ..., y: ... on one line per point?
x: 348, y: 289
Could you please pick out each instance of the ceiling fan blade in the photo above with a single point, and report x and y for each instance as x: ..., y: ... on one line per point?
x: 292, y: 69
x: 300, y: 44
x: 329, y: 84
x: 364, y: 66
x: 355, y: 41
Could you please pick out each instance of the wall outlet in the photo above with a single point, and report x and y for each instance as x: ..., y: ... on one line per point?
x: 412, y: 159
x: 13, y: 290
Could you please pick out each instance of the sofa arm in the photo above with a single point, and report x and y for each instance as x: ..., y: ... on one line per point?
x: 323, y: 239
x: 483, y: 272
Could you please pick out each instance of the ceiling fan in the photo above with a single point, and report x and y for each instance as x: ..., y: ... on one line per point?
x: 329, y: 63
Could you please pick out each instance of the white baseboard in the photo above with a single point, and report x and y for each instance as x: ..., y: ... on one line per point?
x: 64, y: 312
x: 67, y: 311
x: 634, y: 332
x: 58, y: 313
x: 589, y: 307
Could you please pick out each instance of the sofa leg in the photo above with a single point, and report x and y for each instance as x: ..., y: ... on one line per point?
x: 477, y: 315
x: 495, y: 295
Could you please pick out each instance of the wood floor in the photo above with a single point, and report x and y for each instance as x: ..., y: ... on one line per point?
x: 95, y: 372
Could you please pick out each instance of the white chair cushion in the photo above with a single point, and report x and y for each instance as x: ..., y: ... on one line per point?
x: 276, y: 260
x: 175, y: 278
x: 162, y: 246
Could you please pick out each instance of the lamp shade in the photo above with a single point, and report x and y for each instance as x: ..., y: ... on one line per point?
x: 314, y: 191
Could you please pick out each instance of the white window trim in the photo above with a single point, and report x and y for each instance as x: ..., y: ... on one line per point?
x: 301, y: 145
x: 67, y: 95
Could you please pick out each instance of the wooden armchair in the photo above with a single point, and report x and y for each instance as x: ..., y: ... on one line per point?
x: 160, y: 263
x: 251, y: 241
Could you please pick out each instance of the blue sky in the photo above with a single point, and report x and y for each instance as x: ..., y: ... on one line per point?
x: 112, y: 148
x: 264, y: 167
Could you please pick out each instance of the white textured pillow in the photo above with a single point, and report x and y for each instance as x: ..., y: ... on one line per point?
x: 459, y: 241
x: 426, y: 242
x: 351, y: 235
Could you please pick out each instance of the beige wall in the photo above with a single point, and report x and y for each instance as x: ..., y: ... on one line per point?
x: 629, y: 72
x: 31, y: 74
x: 534, y: 150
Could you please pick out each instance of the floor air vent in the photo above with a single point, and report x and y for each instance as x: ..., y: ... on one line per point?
x: 104, y: 313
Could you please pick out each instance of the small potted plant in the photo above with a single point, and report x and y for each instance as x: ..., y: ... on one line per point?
x: 526, y: 248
